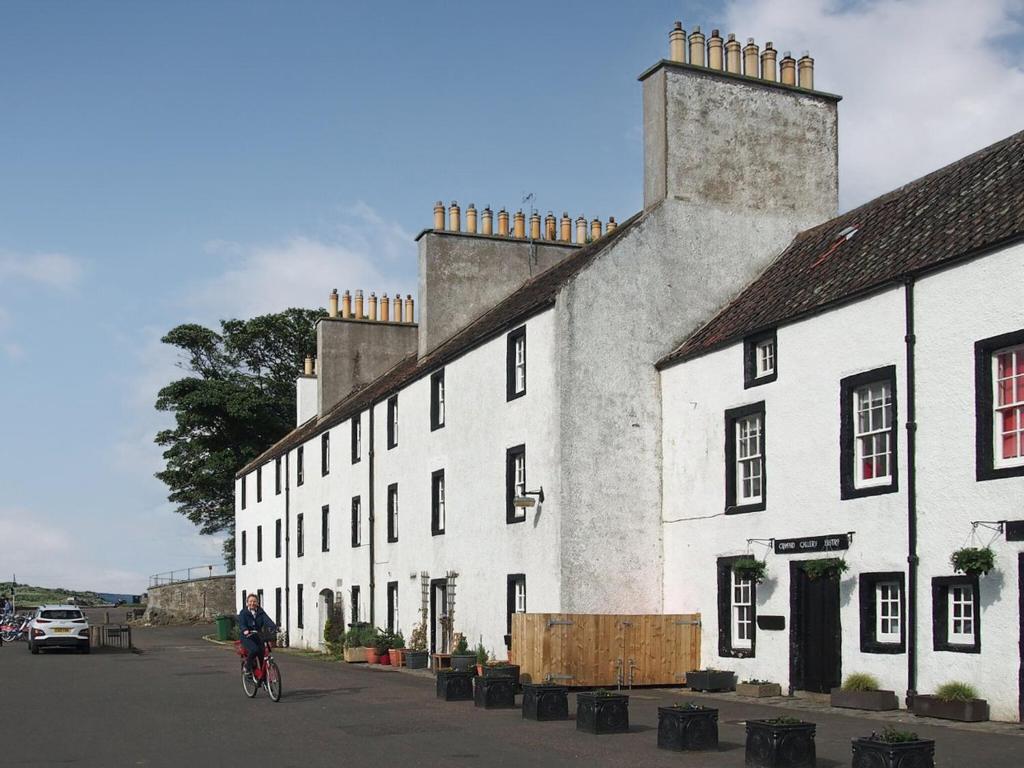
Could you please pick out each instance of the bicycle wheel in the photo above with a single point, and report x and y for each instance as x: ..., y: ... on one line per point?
x: 273, y: 680
x: 249, y: 683
x: 8, y: 636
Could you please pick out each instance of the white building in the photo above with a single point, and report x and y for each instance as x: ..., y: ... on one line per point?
x: 535, y: 364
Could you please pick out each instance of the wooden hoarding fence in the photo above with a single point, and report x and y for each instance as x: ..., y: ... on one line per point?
x: 588, y: 649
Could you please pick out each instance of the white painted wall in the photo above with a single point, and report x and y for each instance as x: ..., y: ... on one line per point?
x: 266, y: 574
x: 305, y: 399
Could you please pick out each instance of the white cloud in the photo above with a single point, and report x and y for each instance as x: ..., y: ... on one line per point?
x: 54, y: 270
x: 924, y: 82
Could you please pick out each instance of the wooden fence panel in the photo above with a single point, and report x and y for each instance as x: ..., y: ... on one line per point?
x: 588, y: 649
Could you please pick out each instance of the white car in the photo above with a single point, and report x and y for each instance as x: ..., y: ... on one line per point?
x: 58, y: 626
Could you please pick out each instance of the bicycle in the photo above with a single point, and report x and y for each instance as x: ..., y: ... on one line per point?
x: 265, y: 674
x: 14, y: 628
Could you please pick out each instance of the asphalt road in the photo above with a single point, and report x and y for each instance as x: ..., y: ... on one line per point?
x: 180, y: 703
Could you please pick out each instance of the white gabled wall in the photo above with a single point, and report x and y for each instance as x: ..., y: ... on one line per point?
x: 267, y: 574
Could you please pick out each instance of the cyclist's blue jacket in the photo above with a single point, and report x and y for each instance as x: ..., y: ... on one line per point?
x: 261, y: 621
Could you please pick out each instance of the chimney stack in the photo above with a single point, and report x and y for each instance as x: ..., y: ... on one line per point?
x: 611, y: 224
x: 332, y: 303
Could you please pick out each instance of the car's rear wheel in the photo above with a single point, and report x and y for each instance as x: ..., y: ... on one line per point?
x: 273, y: 681
x: 249, y: 684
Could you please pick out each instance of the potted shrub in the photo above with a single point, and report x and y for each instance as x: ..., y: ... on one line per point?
x: 455, y: 685
x: 751, y: 568
x: 383, y: 645
x: 494, y: 692
x: 825, y: 568
x: 758, y: 689
x: 503, y: 668
x: 893, y: 749
x: 952, y: 701
x: 369, y: 641
x: 860, y: 691
x: 416, y: 654
x: 545, y: 702
x: 462, y: 659
x: 481, y: 659
x: 711, y: 679
x: 602, y: 711
x: 397, y: 649
x: 973, y: 561
x: 781, y: 742
x: 683, y: 727
x: 355, y: 652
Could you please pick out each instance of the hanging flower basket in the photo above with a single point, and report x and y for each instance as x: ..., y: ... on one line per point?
x: 973, y: 561
x: 749, y: 568
x: 827, y: 568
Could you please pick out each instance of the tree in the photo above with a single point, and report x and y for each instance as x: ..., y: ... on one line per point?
x: 236, y: 401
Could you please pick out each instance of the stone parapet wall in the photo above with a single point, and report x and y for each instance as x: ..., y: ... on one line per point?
x: 189, y: 601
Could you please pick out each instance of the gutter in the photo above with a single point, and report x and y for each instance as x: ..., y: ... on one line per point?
x: 912, y: 559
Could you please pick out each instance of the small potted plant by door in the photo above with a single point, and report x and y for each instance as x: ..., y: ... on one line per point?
x: 602, y: 711
x: 494, y: 692
x: 893, y: 749
x: 545, y: 702
x: 952, y: 701
x: 684, y: 727
x: 370, y: 639
x: 758, y: 689
x: 711, y: 679
x: 397, y: 649
x: 462, y: 659
x: 861, y: 691
x: 384, y: 640
x: 416, y: 655
x: 781, y: 742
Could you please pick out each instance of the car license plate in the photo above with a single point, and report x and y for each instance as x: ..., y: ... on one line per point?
x: 61, y: 630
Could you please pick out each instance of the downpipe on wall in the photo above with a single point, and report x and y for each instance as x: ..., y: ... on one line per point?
x: 287, y: 552
x: 912, y: 559
x: 373, y: 580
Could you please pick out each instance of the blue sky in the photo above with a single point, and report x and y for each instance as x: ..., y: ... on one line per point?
x: 172, y: 162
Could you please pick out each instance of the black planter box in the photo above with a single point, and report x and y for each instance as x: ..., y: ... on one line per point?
x: 972, y: 711
x: 871, y: 753
x: 462, y: 662
x: 711, y: 680
x: 453, y: 685
x: 505, y: 670
x: 416, y: 659
x: 687, y: 729
x: 876, y: 701
x: 545, y: 702
x: 602, y: 713
x: 774, y: 745
x: 494, y: 692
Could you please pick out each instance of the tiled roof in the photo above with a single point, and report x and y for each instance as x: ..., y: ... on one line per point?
x: 974, y: 204
x: 534, y: 295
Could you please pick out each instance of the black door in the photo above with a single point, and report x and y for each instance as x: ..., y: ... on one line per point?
x: 815, y: 632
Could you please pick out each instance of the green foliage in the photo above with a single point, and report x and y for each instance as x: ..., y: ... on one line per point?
x: 755, y: 681
x: 237, y: 399
x: 860, y: 681
x: 750, y: 568
x: 461, y: 646
x: 398, y: 639
x: 481, y: 654
x: 973, y: 560
x: 689, y: 706
x: 956, y: 691
x: 891, y: 736
x: 385, y: 640
x: 825, y: 568
x: 418, y: 637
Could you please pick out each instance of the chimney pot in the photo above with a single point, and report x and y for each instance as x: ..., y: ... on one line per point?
x: 398, y: 307
x: 346, y: 305
x: 471, y: 219
x: 488, y: 218
x: 535, y: 226
x: 611, y: 224
x: 806, y: 71
x: 308, y: 369
x: 503, y: 222
x: 595, y: 229
x: 751, y: 57
x: 332, y: 303
x: 372, y: 314
x: 549, y: 226
x: 566, y: 226
x: 733, y: 55
x: 677, y: 43
x: 408, y: 309
x: 697, y: 48
x: 581, y: 230
x: 454, y: 219
x: 438, y: 216
x: 787, y: 69
x: 715, y: 51
x: 359, y: 305
x: 385, y: 308
x: 519, y: 227
x: 768, y: 62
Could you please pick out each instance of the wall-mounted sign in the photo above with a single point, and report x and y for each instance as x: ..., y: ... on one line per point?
x: 771, y: 622
x: 1015, y: 530
x: 827, y: 543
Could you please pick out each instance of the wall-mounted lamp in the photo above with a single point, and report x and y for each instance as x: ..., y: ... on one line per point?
x: 526, y: 501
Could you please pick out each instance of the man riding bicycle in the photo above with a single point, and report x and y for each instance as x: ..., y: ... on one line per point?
x: 252, y: 620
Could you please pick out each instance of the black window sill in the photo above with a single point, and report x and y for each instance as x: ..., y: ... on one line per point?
x: 510, y: 396
x: 740, y: 509
x: 768, y: 378
x: 871, y: 490
x: 998, y: 473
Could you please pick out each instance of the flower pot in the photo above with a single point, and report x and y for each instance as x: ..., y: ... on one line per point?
x: 758, y: 690
x: 494, y: 692
x: 711, y: 680
x: 972, y: 711
x: 355, y: 655
x: 463, y: 661
x: 416, y: 659
x: 371, y: 656
x: 879, y: 754
x: 876, y: 701
x: 454, y: 685
x: 684, y: 729
x: 545, y: 702
x: 396, y: 654
x: 384, y: 658
x: 780, y: 745
x: 602, y: 713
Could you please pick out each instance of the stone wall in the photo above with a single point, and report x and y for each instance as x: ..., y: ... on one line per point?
x: 188, y: 601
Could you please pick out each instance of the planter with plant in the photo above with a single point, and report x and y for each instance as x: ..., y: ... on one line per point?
x: 781, y: 742
x: 758, y: 689
x: 494, y: 692
x: 481, y: 659
x: 334, y: 637
x: 751, y: 568
x: 462, y: 659
x: 455, y: 685
x: 861, y: 691
x: 355, y: 651
x: 710, y: 679
x: 974, y: 561
x: 685, y: 727
x: 416, y: 656
x: 825, y: 568
x: 501, y: 668
x: 383, y: 645
x: 893, y: 749
x: 952, y: 701
x: 370, y: 640
x: 602, y: 711
x: 545, y: 702
x: 397, y: 649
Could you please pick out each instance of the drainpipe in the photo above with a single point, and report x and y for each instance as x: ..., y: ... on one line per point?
x: 373, y: 581
x: 287, y: 554
x: 912, y: 559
